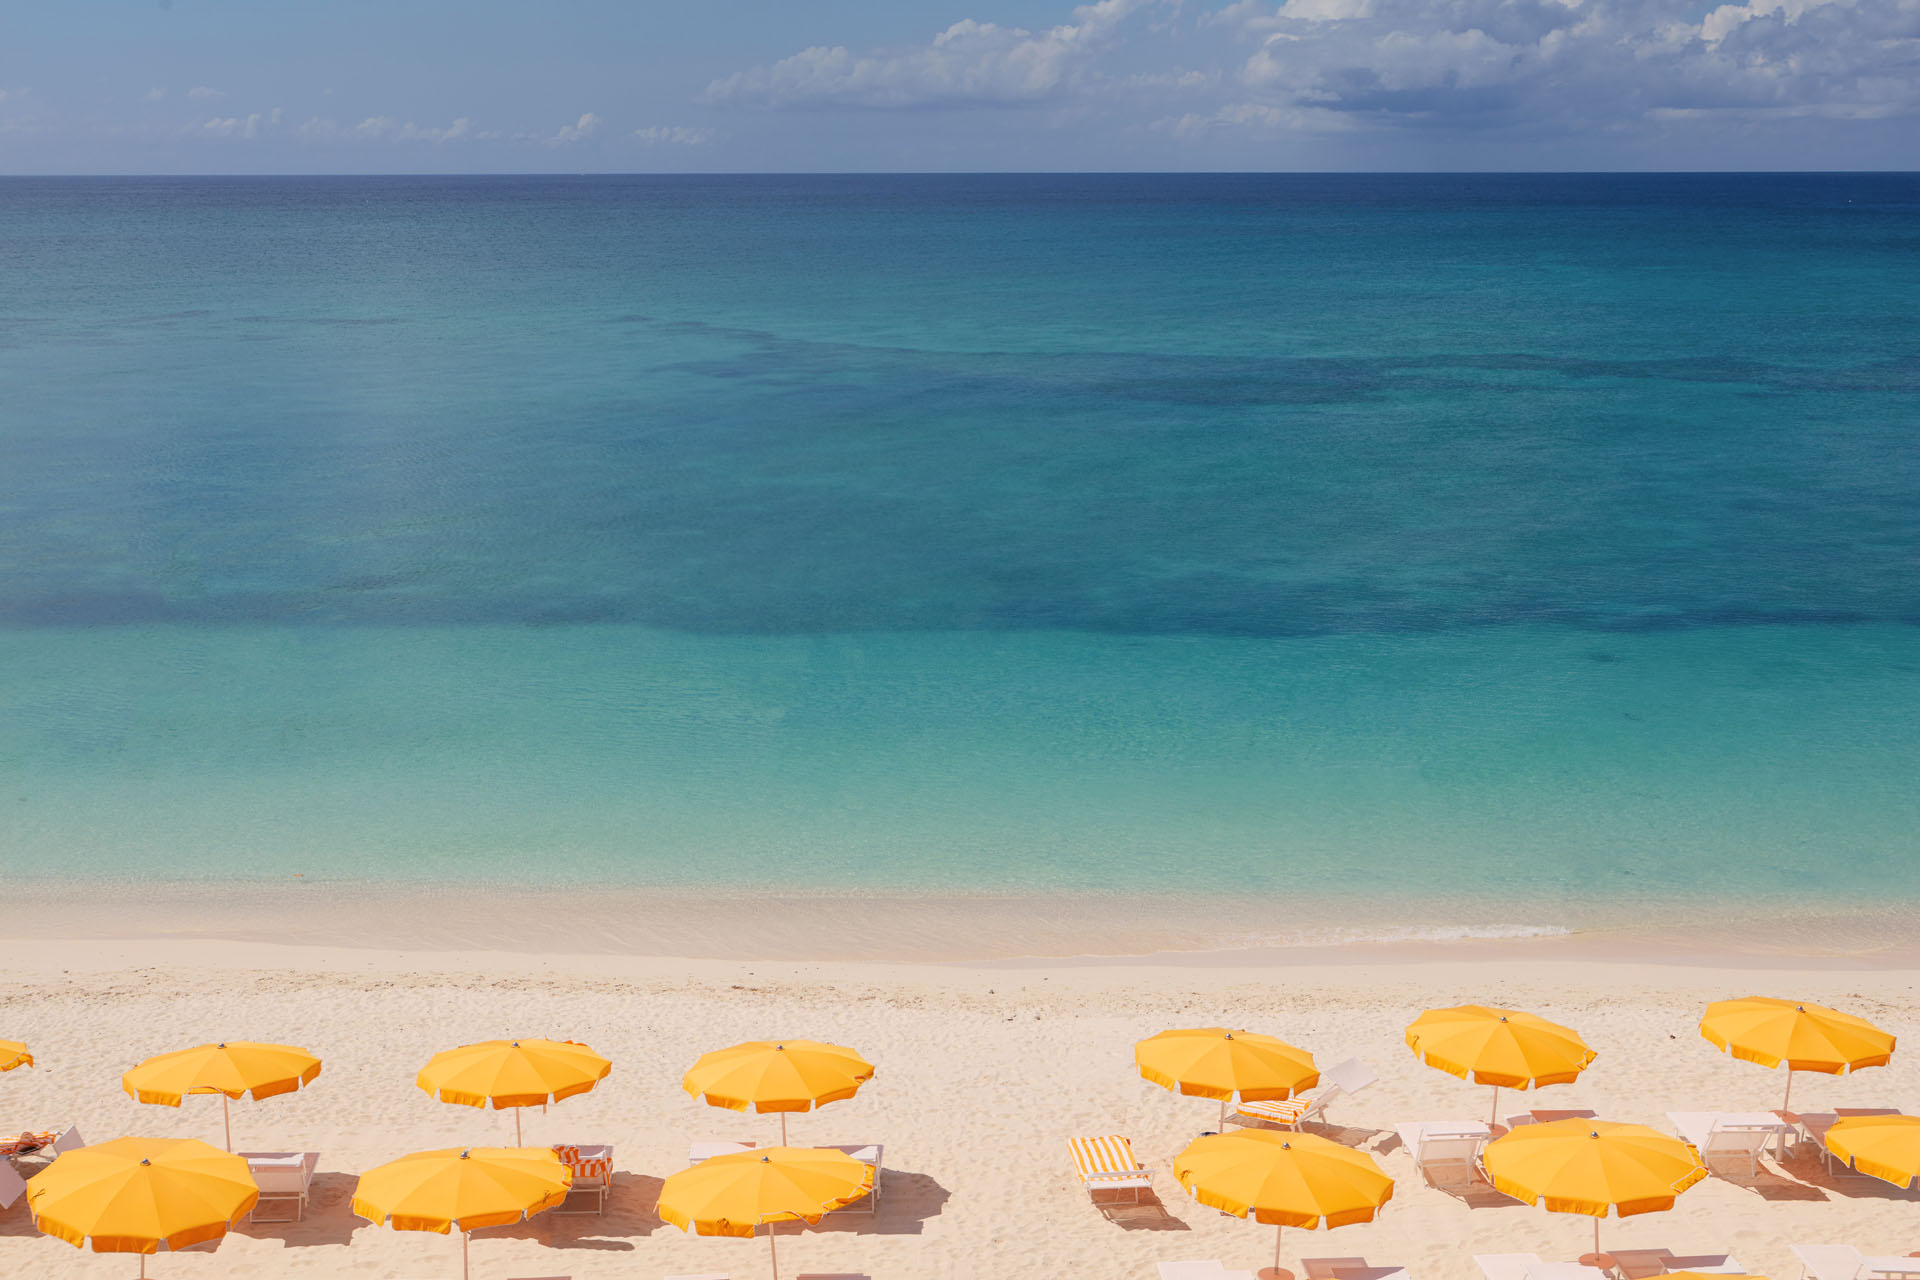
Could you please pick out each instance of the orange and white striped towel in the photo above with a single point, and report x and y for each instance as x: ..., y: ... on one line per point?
x: 584, y: 1166
x: 1286, y: 1111
x: 1103, y: 1157
x: 25, y: 1142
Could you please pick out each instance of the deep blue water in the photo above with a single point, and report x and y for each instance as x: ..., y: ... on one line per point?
x: 1549, y: 531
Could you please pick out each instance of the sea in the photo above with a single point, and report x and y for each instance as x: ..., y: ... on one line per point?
x: 1422, y: 554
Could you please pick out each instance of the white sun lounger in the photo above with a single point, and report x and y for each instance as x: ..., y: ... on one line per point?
x: 284, y: 1178
x: 1816, y: 1123
x: 1528, y: 1266
x: 1349, y: 1077
x: 699, y: 1152
x: 1210, y: 1269
x: 1724, y: 1135
x: 1108, y: 1164
x: 867, y: 1153
x: 1643, y: 1264
x: 1348, y: 1269
x: 1547, y: 1115
x: 12, y: 1185
x: 1448, y: 1149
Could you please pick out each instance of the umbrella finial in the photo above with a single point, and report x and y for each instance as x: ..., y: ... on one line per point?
x: 221, y: 1045
x: 144, y: 1160
x: 467, y: 1154
x: 766, y: 1159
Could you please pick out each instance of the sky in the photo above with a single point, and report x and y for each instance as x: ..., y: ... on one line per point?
x: 573, y: 86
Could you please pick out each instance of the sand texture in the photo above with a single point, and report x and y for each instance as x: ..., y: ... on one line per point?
x: 982, y: 1073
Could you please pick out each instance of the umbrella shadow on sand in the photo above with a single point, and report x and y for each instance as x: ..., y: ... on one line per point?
x: 907, y: 1202
x: 630, y: 1214
x: 328, y: 1221
x: 1818, y: 1181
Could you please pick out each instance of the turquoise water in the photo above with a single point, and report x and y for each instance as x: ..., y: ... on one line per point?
x: 1550, y: 538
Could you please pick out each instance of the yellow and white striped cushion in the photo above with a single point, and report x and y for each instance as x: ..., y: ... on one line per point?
x: 1093, y: 1157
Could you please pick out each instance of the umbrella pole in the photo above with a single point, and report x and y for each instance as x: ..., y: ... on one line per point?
x: 517, y: 1141
x: 773, y: 1253
x: 466, y: 1267
x: 1789, y: 1098
x: 1276, y: 1252
x: 1223, y: 1115
x: 1495, y: 1119
x: 226, y: 1113
x: 783, y: 1142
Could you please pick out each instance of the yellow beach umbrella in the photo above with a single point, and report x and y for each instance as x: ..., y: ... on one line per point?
x: 141, y: 1195
x: 1888, y: 1147
x: 1213, y: 1062
x: 513, y: 1073
x: 777, y: 1075
x: 232, y: 1069
x: 14, y: 1054
x: 731, y: 1195
x: 1283, y: 1180
x: 1592, y: 1167
x: 1806, y: 1037
x: 462, y: 1190
x: 1500, y: 1047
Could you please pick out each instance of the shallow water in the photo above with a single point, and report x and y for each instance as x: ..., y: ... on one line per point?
x: 1537, y: 540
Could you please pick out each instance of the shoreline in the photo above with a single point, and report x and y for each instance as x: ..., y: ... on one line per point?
x: 1000, y: 930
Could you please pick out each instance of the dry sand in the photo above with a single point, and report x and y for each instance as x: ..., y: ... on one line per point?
x: 983, y: 1071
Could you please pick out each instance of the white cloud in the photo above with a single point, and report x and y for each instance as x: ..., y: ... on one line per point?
x: 971, y: 63
x: 378, y: 129
x: 231, y: 127
x: 674, y: 135
x: 578, y: 131
x: 201, y: 93
x: 156, y: 95
x: 1576, y: 64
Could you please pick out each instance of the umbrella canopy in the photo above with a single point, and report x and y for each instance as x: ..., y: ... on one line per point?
x: 730, y: 1195
x: 1213, y: 1062
x: 141, y: 1195
x: 1888, y: 1147
x: 455, y: 1189
x: 1806, y: 1037
x: 1500, y: 1047
x: 14, y: 1054
x: 782, y: 1076
x: 1283, y: 1179
x: 232, y: 1069
x: 1592, y: 1167
x: 512, y: 1073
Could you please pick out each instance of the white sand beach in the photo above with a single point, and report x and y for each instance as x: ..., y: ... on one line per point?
x: 983, y: 1071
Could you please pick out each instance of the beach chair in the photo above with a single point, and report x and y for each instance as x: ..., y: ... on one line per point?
x: 1720, y: 1137
x: 704, y: 1275
x: 1528, y: 1266
x: 1828, y: 1261
x: 867, y: 1153
x: 284, y: 1178
x: 12, y: 1185
x: 592, y: 1168
x: 1547, y: 1115
x: 1446, y: 1150
x: 1644, y: 1264
x: 1348, y: 1269
x: 700, y: 1152
x: 1348, y: 1078
x: 1108, y: 1164
x: 1816, y: 1123
x: 1208, y: 1269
